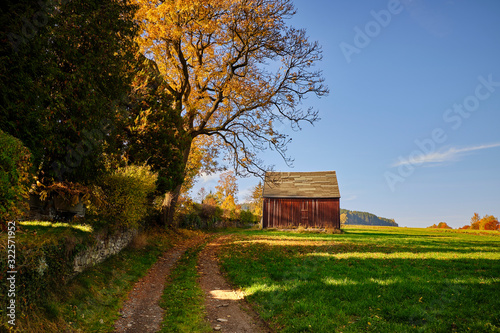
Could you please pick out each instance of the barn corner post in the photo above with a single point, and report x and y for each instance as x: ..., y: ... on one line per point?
x: 265, y: 223
x: 308, y: 199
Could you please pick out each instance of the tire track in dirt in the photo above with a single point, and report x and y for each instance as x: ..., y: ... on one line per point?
x: 141, y: 312
x: 227, y: 310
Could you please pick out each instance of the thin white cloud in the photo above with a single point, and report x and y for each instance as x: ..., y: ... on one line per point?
x: 350, y: 198
x: 243, y: 195
x: 452, y: 154
x: 208, y: 178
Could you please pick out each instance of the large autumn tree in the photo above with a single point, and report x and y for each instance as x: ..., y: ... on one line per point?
x: 235, y: 70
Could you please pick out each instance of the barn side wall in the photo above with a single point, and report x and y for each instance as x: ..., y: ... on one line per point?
x: 286, y: 212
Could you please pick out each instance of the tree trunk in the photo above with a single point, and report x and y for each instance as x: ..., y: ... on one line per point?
x: 170, y: 201
x: 168, y: 207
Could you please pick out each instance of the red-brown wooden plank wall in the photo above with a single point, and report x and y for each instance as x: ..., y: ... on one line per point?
x: 285, y: 212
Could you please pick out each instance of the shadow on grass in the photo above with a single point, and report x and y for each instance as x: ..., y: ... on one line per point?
x: 329, y: 247
x: 390, y: 241
x: 394, y: 304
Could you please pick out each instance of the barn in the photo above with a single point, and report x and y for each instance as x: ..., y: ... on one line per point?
x: 308, y: 199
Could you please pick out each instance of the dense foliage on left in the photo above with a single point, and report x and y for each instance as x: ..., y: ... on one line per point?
x: 66, y: 67
x: 79, y: 99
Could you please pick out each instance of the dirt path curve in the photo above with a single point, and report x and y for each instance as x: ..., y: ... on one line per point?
x: 227, y: 311
x: 141, y: 312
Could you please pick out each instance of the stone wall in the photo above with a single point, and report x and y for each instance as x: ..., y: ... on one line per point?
x: 103, y: 249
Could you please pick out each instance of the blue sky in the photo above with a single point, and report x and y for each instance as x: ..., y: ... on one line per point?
x: 412, y: 121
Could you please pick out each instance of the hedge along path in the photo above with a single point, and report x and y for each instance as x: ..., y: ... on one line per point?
x: 227, y: 310
x: 141, y: 311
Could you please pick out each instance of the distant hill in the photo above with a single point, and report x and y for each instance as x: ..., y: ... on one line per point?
x: 363, y: 218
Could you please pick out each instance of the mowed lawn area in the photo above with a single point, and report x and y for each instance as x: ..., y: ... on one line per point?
x: 376, y: 279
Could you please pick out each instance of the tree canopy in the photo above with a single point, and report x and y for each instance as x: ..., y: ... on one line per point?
x: 235, y: 70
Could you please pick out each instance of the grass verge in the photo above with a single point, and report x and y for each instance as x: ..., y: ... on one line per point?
x: 183, y: 299
x: 92, y: 300
x: 369, y: 279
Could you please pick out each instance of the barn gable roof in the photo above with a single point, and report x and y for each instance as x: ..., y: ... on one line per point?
x: 321, y: 184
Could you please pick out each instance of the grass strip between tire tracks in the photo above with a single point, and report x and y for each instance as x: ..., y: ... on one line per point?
x: 183, y: 298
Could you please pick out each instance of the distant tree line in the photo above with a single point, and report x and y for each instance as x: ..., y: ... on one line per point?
x: 349, y: 217
x: 440, y: 225
x: 488, y: 222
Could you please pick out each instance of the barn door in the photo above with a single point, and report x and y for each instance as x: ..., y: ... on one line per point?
x: 304, y: 213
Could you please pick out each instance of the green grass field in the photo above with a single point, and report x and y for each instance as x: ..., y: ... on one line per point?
x: 370, y: 279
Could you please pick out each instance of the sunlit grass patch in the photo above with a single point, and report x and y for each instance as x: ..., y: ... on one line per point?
x: 369, y: 279
x: 337, y: 282
x: 81, y: 227
x: 410, y: 255
x: 263, y: 287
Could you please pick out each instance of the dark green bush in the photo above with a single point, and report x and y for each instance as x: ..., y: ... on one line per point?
x: 126, y: 194
x: 191, y: 220
x: 15, y: 174
x: 247, y: 217
x: 210, y: 212
x: 192, y: 215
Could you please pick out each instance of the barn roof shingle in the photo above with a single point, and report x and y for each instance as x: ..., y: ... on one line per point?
x: 321, y: 184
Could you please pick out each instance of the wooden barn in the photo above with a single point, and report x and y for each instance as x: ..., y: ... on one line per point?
x: 308, y: 199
